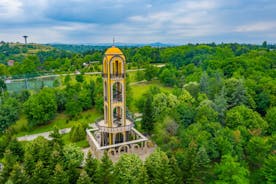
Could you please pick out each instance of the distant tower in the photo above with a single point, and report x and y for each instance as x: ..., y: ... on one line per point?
x: 25, y: 37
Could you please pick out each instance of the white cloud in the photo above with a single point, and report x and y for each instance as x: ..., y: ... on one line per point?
x: 257, y: 27
x: 10, y: 8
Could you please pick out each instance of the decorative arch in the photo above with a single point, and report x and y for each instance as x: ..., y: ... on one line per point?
x: 117, y: 65
x: 111, y: 152
x: 123, y: 149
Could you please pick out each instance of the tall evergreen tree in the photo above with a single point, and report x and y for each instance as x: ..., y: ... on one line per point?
x: 106, y: 170
x: 129, y: 169
x: 84, y: 178
x: 59, y: 176
x: 147, y: 118
x: 158, y: 168
x: 92, y: 168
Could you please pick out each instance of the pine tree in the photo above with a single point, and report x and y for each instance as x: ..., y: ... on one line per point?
x: 17, y: 176
x: 92, y: 168
x: 40, y: 175
x: 60, y: 176
x: 129, y: 169
x: 84, y: 178
x: 147, y: 119
x: 106, y: 170
x: 220, y: 105
x: 57, y: 137
x: 158, y: 169
x: 176, y: 172
x: 204, y: 83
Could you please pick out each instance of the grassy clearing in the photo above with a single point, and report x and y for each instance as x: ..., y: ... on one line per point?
x: 60, y: 121
x: 81, y: 144
x: 138, y: 89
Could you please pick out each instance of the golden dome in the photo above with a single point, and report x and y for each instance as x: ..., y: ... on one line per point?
x: 113, y: 50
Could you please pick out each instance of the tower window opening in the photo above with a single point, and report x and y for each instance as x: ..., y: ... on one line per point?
x: 117, y: 92
x: 117, y: 116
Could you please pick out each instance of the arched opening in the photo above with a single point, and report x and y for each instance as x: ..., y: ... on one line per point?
x: 123, y: 149
x: 117, y: 67
x: 117, y: 92
x: 117, y: 116
x: 119, y: 138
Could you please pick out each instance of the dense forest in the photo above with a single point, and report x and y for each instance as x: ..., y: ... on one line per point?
x: 218, y: 125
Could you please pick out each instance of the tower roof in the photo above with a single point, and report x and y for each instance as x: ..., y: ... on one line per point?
x: 113, y: 50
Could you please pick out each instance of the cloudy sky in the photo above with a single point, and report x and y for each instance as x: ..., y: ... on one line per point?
x: 138, y: 21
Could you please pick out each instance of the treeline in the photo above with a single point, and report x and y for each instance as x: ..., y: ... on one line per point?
x: 42, y: 161
x: 58, y: 61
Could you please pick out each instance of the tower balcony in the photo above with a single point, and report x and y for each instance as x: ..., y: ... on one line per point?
x: 116, y: 127
x: 114, y: 76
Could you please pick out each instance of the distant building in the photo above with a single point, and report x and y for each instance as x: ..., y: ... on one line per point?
x: 11, y: 62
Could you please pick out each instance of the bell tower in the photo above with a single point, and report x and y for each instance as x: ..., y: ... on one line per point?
x: 115, y: 133
x: 114, y: 94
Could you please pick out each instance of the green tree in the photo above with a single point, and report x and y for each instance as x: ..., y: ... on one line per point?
x: 220, y: 105
x: 147, y: 117
x: 40, y: 174
x: 79, y: 78
x: 59, y: 176
x: 195, y: 164
x: 3, y: 85
x: 9, y: 112
x: 150, y: 72
x: 84, y: 178
x: 230, y: 171
x: 129, y: 169
x: 17, y: 176
x: 236, y: 92
x: 73, y: 156
x: 168, y: 77
x: 41, y: 107
x: 158, y: 168
x: 77, y: 133
x: 73, y: 107
x: 106, y: 170
x: 257, y: 150
x: 204, y: 83
x: 271, y: 119
x: 268, y: 169
x: 243, y: 116
x: 92, y: 168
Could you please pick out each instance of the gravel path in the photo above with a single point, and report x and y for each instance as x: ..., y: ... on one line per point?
x: 46, y: 135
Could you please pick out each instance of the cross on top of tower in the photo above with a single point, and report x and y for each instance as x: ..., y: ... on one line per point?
x: 113, y: 45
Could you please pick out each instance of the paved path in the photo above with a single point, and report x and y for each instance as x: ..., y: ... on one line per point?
x: 46, y: 135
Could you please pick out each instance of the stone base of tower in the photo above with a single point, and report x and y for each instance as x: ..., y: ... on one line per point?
x: 138, y: 144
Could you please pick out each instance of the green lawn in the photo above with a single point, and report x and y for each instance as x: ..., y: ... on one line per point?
x: 81, y: 144
x: 59, y: 121
x: 140, y: 88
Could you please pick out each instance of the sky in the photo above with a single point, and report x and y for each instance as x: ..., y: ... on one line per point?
x: 138, y: 21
